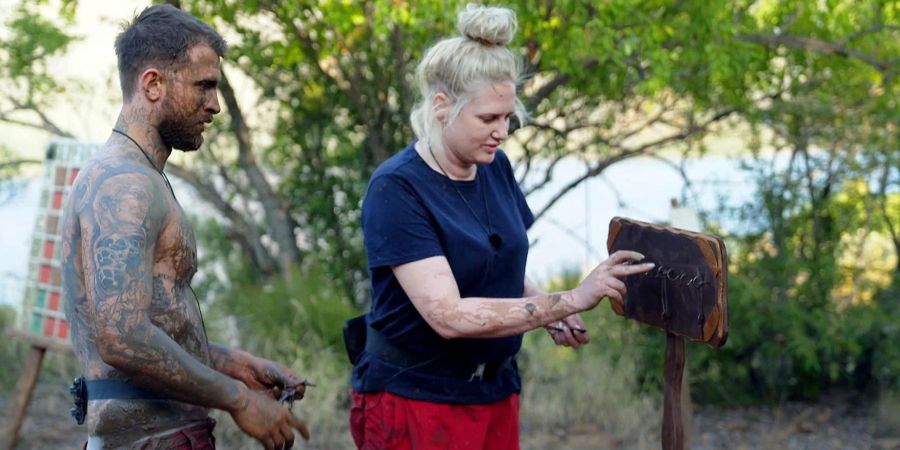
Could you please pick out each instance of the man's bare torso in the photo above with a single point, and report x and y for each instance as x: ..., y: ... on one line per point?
x: 99, y: 225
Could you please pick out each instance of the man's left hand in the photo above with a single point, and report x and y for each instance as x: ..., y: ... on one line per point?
x: 270, y: 376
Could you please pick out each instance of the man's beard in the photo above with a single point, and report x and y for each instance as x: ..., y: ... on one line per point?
x: 177, y: 132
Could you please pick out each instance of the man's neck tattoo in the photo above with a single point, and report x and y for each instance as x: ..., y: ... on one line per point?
x: 150, y: 160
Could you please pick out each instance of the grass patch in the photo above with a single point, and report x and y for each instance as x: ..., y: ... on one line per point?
x: 887, y: 420
x: 566, y: 392
x: 325, y: 409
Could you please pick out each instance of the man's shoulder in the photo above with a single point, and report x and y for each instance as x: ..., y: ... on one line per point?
x: 115, y: 176
x: 114, y: 167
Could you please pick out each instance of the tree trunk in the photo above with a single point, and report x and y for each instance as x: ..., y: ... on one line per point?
x: 277, y: 218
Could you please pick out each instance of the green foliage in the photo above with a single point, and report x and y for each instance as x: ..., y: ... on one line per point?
x: 333, y: 83
x: 625, y: 49
x: 31, y: 42
x: 885, y: 357
x: 555, y: 399
x: 595, y: 386
x: 56, y: 372
x: 336, y: 77
x: 810, y: 308
x: 794, y: 335
x: 296, y: 320
x: 298, y: 323
x: 887, y: 422
x: 305, y: 306
x: 11, y: 350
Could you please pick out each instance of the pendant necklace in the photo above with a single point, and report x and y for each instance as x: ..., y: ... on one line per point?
x: 495, y: 239
x: 169, y: 185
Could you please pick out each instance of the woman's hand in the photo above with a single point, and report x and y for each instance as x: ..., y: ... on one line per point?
x: 606, y: 279
x: 568, y: 332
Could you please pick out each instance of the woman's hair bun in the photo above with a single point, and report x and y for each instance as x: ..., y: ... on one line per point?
x: 488, y: 25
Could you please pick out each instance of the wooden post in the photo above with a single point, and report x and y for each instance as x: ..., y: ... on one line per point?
x: 687, y: 408
x: 24, y: 389
x: 673, y: 422
x: 686, y: 218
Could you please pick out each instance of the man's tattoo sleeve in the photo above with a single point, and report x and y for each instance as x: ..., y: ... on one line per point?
x: 121, y: 224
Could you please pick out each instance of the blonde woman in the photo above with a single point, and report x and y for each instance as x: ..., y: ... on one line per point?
x: 444, y: 224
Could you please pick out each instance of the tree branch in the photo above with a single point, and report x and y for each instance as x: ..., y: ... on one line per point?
x: 628, y: 153
x: 547, y: 89
x: 245, y: 232
x: 816, y: 46
x: 45, y: 124
x: 548, y: 176
x: 18, y: 162
x: 281, y: 226
x: 882, y: 203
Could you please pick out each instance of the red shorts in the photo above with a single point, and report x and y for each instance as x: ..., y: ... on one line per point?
x: 384, y: 421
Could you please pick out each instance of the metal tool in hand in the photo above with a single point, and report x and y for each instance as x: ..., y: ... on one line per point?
x: 287, y: 397
x: 288, y: 393
x: 561, y: 329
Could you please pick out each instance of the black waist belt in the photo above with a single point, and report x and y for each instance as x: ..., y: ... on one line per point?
x: 379, y: 346
x: 109, y: 389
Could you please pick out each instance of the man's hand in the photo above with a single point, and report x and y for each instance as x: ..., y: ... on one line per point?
x: 267, y: 421
x: 270, y: 376
x: 569, y: 332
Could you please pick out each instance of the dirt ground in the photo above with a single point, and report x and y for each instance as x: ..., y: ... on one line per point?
x: 828, y: 425
x: 833, y: 425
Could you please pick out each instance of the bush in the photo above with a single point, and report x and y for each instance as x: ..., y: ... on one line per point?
x: 295, y: 320
x: 596, y: 386
x: 788, y: 345
x: 887, y: 421
x: 593, y: 387
x: 12, y: 351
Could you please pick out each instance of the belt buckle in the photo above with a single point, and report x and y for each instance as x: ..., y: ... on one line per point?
x: 479, y: 372
x: 79, y: 393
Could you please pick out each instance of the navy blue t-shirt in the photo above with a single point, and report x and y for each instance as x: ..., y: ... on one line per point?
x: 409, y: 213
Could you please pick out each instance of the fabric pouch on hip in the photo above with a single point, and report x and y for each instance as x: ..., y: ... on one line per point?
x: 355, y: 337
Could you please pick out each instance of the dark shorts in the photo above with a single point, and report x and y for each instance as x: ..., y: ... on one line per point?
x: 195, y: 437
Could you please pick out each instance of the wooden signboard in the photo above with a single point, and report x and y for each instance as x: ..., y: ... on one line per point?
x: 685, y: 295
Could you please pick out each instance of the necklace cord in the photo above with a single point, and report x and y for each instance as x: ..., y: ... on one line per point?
x: 495, y: 239
x: 149, y: 159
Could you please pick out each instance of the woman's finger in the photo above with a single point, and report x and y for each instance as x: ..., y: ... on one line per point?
x: 616, y: 284
x: 614, y: 295
x: 622, y: 256
x: 622, y: 270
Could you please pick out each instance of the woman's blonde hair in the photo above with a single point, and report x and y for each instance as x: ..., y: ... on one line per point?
x: 455, y: 65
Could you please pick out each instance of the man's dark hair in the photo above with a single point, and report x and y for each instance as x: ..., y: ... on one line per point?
x: 161, y: 34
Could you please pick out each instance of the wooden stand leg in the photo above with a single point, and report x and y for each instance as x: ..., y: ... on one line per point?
x: 687, y: 408
x: 19, y: 405
x: 673, y: 423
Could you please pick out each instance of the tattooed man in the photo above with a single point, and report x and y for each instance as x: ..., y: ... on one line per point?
x: 129, y: 256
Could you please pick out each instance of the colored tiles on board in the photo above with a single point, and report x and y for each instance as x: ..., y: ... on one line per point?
x: 49, y: 249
